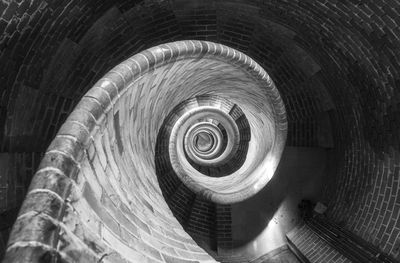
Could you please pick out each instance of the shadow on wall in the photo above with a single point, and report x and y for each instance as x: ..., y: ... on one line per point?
x: 260, y: 223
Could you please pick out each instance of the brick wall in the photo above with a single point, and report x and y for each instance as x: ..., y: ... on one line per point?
x: 313, y: 247
x: 52, y: 52
x: 16, y: 174
x: 17, y: 170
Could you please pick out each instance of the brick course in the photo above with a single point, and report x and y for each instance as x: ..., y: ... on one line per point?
x: 313, y: 247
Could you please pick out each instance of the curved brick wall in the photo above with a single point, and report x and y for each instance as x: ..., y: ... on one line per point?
x: 334, y: 61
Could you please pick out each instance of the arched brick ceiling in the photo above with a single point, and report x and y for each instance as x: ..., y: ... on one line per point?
x: 65, y: 51
x: 328, y: 58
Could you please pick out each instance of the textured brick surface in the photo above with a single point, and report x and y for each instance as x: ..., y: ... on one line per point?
x: 354, y: 44
x: 313, y: 247
x: 17, y: 170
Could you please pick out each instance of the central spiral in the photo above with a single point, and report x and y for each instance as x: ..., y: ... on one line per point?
x: 223, y: 130
x: 204, y: 141
x: 208, y: 133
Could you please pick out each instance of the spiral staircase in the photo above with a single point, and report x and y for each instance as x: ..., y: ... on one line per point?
x: 184, y: 150
x: 150, y: 149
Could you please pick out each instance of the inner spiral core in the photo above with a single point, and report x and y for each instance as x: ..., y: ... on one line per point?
x: 206, y: 136
x: 203, y: 141
x: 221, y: 135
